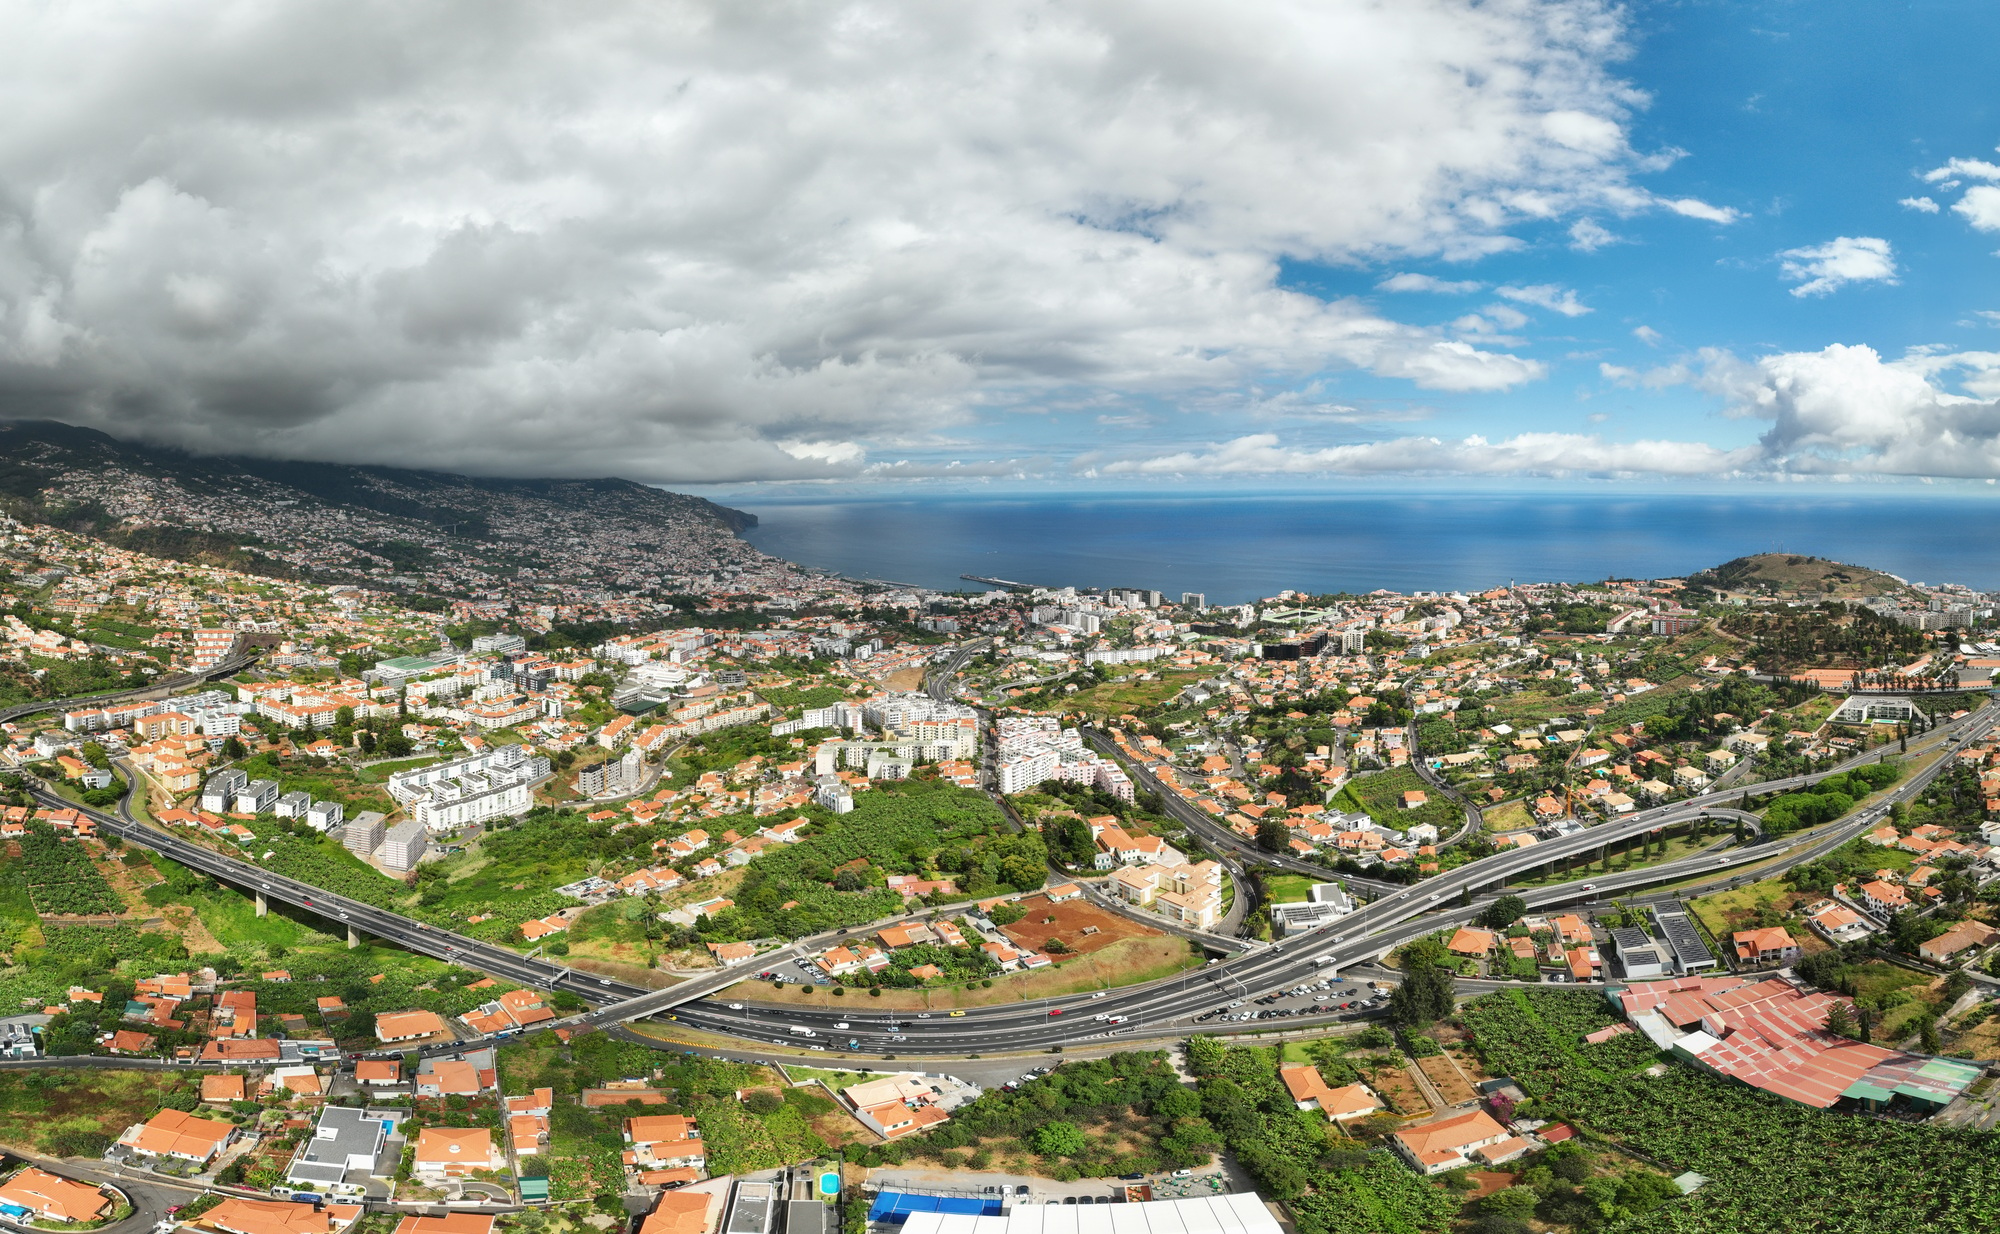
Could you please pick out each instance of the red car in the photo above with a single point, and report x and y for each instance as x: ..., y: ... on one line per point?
x: 1055, y: 1011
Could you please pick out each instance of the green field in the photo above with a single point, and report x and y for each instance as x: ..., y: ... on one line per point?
x: 1380, y: 796
x: 1289, y: 888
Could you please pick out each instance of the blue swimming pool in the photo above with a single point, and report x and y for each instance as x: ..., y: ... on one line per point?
x: 895, y: 1207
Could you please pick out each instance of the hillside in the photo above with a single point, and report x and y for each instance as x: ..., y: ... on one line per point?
x: 1790, y: 576
x: 418, y: 531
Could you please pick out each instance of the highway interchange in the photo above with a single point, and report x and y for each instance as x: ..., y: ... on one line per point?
x: 1160, y: 1008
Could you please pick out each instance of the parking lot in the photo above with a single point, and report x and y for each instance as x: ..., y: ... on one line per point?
x: 1318, y: 1000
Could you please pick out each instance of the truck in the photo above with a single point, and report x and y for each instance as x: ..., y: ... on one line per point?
x: 799, y: 1030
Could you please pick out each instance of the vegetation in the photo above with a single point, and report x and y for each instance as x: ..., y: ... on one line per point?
x: 1860, y: 1175
x: 61, y: 877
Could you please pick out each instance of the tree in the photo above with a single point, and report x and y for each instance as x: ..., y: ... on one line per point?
x: 1503, y: 912
x: 1427, y: 992
x: 1273, y: 836
x: 1927, y: 1034
x: 1839, y: 1020
x: 1059, y: 1139
x: 763, y: 1101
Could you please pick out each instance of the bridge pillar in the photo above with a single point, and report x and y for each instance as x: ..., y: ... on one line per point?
x: 353, y: 937
x: 263, y: 905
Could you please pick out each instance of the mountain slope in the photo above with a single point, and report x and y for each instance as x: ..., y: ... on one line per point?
x: 422, y: 531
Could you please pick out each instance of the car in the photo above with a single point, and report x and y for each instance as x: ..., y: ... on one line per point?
x: 1099, y: 994
x: 1183, y: 1173
x: 923, y: 1015
x: 1102, y: 1015
x: 1055, y: 1011
x: 309, y: 901
x: 736, y: 1006
x: 957, y: 1014
x: 1021, y: 1189
x: 1588, y: 887
x: 819, y: 1047
x: 1722, y: 861
x: 1069, y: 1199
x: 1434, y: 897
x: 601, y: 980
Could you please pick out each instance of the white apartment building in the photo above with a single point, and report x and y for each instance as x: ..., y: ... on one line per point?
x: 447, y: 797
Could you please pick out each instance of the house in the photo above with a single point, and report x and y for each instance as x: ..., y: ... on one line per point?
x: 55, y: 1198
x: 1310, y: 1091
x: 449, y: 1077
x: 186, y: 1137
x: 455, y: 1152
x: 378, y: 1073
x: 1415, y: 799
x: 1771, y: 945
x: 1470, y: 942
x: 222, y: 1088
x: 237, y: 1215
x: 449, y: 1223
x: 512, y: 1010
x: 1955, y: 942
x: 677, y: 1212
x: 1068, y: 891
x: 663, y: 1141
x: 1836, y: 922
x: 396, y: 1026
x: 1459, y: 1140
x: 297, y: 1081
x: 1884, y: 898
x: 127, y: 1041
x: 345, y: 1152
x: 242, y: 1050
x: 727, y: 954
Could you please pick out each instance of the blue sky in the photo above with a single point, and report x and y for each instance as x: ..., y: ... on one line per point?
x: 863, y: 245
x: 1809, y: 122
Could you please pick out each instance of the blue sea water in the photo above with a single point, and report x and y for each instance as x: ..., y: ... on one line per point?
x: 1239, y: 548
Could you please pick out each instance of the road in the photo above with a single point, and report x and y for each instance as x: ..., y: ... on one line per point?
x: 160, y: 689
x: 1167, y: 1006
x: 1398, y: 914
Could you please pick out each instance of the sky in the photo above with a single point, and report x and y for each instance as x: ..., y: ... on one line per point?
x: 841, y: 246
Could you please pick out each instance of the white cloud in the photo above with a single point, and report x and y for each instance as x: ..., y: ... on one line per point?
x: 1922, y: 205
x: 1548, y: 296
x: 1425, y: 282
x: 1542, y: 454
x: 1695, y: 208
x: 1969, y: 169
x: 1647, y: 335
x: 1980, y: 206
x: 1588, y: 236
x: 677, y: 240
x: 1843, y: 260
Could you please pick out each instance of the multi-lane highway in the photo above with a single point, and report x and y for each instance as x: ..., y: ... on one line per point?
x: 1169, y: 1006
x: 158, y: 689
x: 1398, y: 914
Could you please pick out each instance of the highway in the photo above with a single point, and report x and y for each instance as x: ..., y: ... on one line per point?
x: 1168, y: 1006
x: 1396, y: 915
x: 159, y: 688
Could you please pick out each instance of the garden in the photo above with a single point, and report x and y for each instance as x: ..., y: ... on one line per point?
x: 1773, y: 1167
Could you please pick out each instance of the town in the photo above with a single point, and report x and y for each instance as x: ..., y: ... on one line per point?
x: 983, y: 902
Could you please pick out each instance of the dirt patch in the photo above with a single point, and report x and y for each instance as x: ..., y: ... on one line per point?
x: 907, y: 680
x: 1450, y: 1084
x: 1401, y: 1091
x: 1082, y: 926
x: 631, y: 974
x: 185, y: 924
x: 1128, y: 962
x: 1486, y: 1182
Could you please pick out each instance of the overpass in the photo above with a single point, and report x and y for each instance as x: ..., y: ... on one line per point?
x: 158, y: 689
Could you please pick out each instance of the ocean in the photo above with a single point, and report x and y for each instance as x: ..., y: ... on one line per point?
x: 1238, y: 548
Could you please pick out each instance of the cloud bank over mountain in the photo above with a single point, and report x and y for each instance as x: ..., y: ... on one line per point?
x: 703, y: 241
